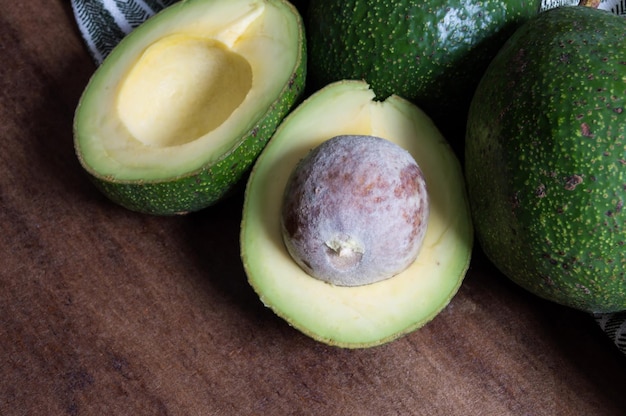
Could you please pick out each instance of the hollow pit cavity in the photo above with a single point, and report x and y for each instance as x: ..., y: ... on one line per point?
x: 181, y: 88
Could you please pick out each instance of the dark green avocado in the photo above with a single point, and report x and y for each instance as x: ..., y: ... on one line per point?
x: 546, y: 158
x: 430, y: 52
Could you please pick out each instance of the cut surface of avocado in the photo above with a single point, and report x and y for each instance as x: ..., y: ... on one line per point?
x: 372, y: 314
x: 202, y: 83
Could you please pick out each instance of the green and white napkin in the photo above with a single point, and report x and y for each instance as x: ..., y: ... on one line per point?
x: 614, y: 325
x: 103, y: 23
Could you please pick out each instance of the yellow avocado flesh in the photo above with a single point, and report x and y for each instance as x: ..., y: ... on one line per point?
x: 371, y: 314
x: 181, y: 88
x: 184, y: 88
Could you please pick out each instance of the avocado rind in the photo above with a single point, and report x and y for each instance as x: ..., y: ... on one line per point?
x: 544, y: 158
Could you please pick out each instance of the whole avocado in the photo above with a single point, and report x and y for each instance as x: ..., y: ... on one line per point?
x: 431, y: 52
x: 546, y: 158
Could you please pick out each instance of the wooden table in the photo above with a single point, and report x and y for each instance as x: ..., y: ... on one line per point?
x: 108, y: 312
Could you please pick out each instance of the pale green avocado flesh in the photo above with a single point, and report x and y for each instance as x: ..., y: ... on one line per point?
x: 368, y: 315
x: 181, y: 108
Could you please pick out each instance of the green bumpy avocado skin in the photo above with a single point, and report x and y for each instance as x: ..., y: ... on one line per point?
x: 546, y: 159
x: 430, y: 52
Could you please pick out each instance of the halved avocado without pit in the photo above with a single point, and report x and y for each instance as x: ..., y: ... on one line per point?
x: 376, y: 313
x: 181, y: 108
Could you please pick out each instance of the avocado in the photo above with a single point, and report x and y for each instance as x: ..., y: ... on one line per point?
x: 370, y: 314
x: 180, y: 109
x: 545, y: 158
x: 432, y: 53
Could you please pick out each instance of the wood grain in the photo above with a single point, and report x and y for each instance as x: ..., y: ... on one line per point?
x: 108, y: 312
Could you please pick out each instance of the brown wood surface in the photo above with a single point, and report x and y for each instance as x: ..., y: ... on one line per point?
x: 108, y: 312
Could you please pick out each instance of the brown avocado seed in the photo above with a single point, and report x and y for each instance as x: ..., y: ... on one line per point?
x: 355, y: 211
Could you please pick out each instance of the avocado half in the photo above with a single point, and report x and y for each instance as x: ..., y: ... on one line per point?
x: 181, y: 108
x: 376, y: 313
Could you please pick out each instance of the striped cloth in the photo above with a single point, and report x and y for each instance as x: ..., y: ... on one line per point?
x: 614, y: 325
x: 103, y: 23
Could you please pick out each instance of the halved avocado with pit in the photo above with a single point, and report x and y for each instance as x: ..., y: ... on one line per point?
x: 181, y: 108
x: 372, y: 314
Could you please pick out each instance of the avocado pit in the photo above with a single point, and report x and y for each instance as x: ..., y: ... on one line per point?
x: 355, y: 211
